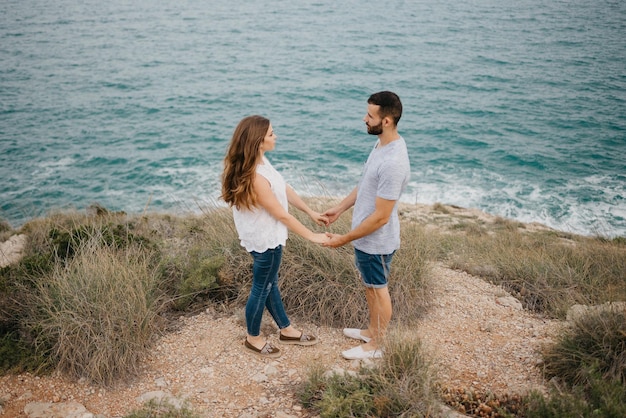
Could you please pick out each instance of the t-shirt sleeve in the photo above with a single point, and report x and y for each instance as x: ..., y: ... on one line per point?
x: 392, y: 177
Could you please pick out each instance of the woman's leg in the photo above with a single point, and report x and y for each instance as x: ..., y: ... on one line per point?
x: 264, y: 271
x: 274, y: 301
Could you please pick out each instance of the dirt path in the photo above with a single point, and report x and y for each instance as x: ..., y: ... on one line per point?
x: 477, y: 335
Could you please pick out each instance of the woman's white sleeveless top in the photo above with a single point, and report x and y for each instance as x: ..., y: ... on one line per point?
x: 257, y: 229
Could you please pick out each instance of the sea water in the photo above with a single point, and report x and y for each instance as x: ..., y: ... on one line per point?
x: 516, y: 108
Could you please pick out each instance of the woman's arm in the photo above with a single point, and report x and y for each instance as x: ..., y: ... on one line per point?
x: 268, y: 201
x: 300, y: 204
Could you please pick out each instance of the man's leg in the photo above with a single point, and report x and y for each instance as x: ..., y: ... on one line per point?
x: 374, y: 271
x: 380, y: 310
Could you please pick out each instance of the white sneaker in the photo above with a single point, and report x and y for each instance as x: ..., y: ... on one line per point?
x: 357, y: 353
x: 356, y: 334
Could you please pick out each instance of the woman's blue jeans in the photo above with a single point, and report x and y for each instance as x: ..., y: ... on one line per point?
x: 264, y: 292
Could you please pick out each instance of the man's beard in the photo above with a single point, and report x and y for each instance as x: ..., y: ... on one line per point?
x: 375, y: 130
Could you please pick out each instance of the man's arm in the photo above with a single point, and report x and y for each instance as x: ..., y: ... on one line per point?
x: 334, y: 213
x: 378, y: 218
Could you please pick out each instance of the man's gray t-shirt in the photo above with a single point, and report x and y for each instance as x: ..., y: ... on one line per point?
x: 385, y: 175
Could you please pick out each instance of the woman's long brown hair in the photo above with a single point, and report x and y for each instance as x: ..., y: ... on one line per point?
x: 241, y: 160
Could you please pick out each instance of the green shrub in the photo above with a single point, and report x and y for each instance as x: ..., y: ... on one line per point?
x: 202, y: 277
x: 17, y: 281
x: 594, y: 343
x: 400, y: 384
x: 600, y: 398
x: 201, y: 258
x: 589, y: 360
x: 337, y: 395
x: 64, y: 243
x: 403, y: 381
x: 17, y: 356
x: 154, y: 409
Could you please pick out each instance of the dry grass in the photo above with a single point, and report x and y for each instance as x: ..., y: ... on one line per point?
x: 97, y: 314
x: 315, y: 278
x: 5, y: 230
x: 547, y: 272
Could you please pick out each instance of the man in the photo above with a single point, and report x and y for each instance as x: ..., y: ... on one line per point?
x: 375, y: 231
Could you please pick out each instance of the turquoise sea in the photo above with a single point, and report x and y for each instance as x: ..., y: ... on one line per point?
x: 517, y: 108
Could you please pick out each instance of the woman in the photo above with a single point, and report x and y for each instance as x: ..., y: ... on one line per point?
x: 259, y: 197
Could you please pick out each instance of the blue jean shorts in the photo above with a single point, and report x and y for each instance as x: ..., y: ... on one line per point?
x: 374, y: 268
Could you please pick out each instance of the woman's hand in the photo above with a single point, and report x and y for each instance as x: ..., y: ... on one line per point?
x: 319, y: 218
x: 319, y: 238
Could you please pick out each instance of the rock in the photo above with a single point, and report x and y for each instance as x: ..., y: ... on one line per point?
x: 270, y: 370
x: 510, y: 301
x: 259, y: 377
x: 4, y: 398
x: 56, y: 410
x: 11, y: 249
x: 576, y: 312
x: 282, y: 414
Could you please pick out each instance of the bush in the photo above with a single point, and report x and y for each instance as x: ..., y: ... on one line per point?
x: 589, y: 360
x: 154, y: 409
x: 201, y: 258
x: 96, y: 315
x: 18, y: 356
x: 404, y: 380
x: 600, y: 398
x: 400, y: 384
x: 337, y: 395
x: 594, y: 343
x: 201, y: 277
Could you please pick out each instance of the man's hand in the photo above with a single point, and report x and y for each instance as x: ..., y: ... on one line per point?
x: 335, y: 240
x: 331, y: 215
x: 319, y: 218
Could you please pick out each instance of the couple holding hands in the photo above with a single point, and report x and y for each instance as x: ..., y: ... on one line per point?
x: 259, y: 198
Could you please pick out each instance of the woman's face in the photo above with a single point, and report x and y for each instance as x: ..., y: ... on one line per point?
x: 269, y: 142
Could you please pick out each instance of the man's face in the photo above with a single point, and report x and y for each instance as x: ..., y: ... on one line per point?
x: 373, y: 121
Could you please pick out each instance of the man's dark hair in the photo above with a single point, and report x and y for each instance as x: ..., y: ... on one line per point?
x: 390, y: 104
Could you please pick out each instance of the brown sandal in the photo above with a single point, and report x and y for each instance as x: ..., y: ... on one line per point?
x: 303, y: 339
x: 268, y: 350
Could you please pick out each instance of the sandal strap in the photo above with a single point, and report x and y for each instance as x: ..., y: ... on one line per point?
x: 269, y: 349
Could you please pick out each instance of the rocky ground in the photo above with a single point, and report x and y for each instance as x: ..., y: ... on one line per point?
x: 479, y: 338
